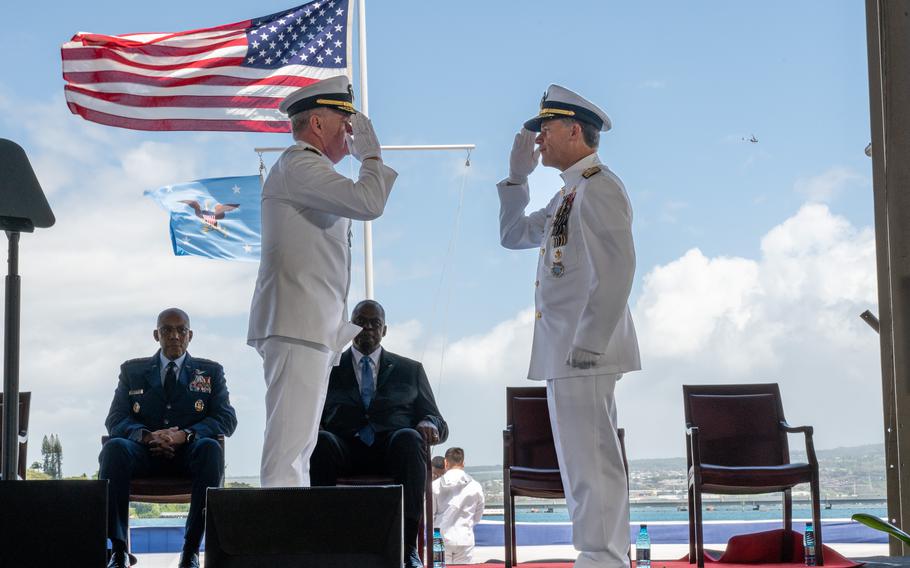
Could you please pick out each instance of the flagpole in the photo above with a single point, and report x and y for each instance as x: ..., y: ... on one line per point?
x: 365, y: 108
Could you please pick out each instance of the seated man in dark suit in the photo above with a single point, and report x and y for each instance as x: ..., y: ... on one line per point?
x: 167, y: 411
x: 379, y: 426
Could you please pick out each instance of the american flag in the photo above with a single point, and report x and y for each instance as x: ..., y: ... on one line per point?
x: 230, y: 77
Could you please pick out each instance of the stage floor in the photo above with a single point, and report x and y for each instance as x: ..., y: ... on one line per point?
x: 872, y: 554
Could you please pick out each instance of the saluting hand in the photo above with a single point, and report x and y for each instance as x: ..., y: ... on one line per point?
x: 524, y: 156
x: 363, y: 143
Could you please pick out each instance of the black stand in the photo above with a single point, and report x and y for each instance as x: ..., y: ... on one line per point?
x: 22, y: 208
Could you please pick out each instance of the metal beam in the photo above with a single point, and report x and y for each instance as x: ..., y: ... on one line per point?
x: 888, y: 40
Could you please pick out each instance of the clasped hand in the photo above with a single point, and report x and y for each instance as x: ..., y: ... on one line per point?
x: 164, y: 443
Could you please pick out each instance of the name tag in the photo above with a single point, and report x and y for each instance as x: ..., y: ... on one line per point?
x: 137, y: 391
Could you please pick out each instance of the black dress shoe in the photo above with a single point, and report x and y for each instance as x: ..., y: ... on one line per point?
x: 119, y: 560
x: 188, y: 559
x: 411, y: 558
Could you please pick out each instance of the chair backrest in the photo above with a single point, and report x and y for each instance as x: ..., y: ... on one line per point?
x: 25, y: 399
x: 738, y: 425
x: 528, y: 417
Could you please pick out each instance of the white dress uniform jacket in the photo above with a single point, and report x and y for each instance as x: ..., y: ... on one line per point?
x: 305, y: 269
x: 583, y: 286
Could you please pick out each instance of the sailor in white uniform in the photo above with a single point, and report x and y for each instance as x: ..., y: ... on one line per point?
x: 584, y: 339
x: 298, y: 318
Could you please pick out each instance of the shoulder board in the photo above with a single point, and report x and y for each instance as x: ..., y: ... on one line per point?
x: 205, y: 361
x: 137, y: 360
x: 593, y: 170
x: 313, y: 150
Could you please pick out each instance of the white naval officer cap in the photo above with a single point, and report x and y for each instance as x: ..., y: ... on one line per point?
x: 560, y: 102
x: 335, y: 92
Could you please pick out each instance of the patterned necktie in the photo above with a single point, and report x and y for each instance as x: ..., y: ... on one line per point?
x: 367, y: 434
x: 170, y: 380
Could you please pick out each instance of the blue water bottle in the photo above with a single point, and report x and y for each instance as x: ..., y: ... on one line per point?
x: 809, y: 544
x: 643, y: 548
x: 439, y: 549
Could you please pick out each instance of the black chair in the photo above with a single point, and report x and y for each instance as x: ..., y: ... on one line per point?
x: 530, y: 467
x: 25, y: 399
x: 736, y: 444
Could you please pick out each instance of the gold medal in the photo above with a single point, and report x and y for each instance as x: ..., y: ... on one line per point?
x: 136, y: 408
x: 200, y: 406
x: 557, y: 255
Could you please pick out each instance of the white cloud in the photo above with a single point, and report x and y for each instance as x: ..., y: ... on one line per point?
x: 829, y: 184
x: 790, y: 316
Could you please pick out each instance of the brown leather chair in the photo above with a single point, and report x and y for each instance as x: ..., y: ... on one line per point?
x: 425, y: 530
x: 530, y: 468
x: 164, y: 489
x: 736, y: 444
x: 25, y: 399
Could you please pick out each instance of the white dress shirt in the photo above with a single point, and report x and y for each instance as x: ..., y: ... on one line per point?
x: 164, y: 362
x: 374, y: 364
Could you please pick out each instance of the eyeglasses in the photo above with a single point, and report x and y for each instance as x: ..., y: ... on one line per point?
x: 368, y: 323
x: 168, y: 330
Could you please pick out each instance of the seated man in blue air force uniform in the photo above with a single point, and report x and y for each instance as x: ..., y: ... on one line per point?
x: 584, y: 339
x: 379, y: 411
x: 166, y: 413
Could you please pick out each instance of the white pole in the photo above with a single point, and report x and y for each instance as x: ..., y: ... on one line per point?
x: 365, y: 108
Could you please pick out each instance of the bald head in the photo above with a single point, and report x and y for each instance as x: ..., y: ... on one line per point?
x: 173, y: 312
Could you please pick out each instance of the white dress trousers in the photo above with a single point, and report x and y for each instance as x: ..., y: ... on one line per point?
x: 583, y: 418
x: 296, y: 381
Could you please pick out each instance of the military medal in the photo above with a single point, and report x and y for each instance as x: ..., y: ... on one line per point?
x: 135, y: 408
x: 200, y: 406
x: 560, y: 232
x: 558, y: 268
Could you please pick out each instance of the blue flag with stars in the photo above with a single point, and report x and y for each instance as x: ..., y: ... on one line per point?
x: 215, y: 218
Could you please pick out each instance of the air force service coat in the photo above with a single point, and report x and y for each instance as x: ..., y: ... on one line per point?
x: 202, y: 404
x: 582, y: 286
x: 305, y: 269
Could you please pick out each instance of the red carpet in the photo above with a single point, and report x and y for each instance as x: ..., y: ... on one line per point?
x: 743, y: 551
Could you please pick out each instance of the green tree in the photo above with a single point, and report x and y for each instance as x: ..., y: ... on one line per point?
x: 46, y: 455
x: 58, y: 458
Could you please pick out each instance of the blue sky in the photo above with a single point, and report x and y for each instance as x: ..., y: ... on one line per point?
x: 753, y: 259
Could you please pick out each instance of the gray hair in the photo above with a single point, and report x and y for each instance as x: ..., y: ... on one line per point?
x: 589, y: 133
x: 300, y: 122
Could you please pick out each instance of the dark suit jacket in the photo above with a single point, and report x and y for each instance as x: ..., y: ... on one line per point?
x: 403, y: 398
x: 202, y: 405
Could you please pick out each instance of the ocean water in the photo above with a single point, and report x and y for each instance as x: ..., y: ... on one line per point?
x: 649, y: 513
x: 714, y: 512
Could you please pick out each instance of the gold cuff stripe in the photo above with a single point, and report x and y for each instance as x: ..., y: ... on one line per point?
x: 344, y: 104
x: 556, y: 111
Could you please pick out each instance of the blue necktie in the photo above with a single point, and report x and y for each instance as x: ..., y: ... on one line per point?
x: 367, y: 434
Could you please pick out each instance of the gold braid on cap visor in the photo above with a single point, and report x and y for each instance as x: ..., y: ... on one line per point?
x: 546, y: 111
x: 344, y: 104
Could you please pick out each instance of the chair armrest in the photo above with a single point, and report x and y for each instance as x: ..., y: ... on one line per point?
x: 507, y: 447
x: 807, y: 431
x: 796, y: 429
x: 692, y: 452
